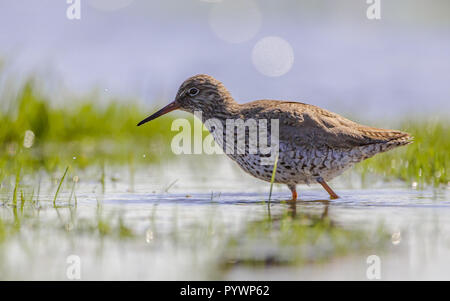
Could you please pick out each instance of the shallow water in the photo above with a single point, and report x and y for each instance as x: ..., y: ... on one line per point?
x: 212, y: 228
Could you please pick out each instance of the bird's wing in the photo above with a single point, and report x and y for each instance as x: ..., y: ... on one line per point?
x: 305, y: 125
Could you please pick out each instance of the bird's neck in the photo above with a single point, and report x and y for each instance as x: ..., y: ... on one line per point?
x: 228, y: 108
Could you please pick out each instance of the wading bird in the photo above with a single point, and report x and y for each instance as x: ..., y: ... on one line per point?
x: 315, y: 145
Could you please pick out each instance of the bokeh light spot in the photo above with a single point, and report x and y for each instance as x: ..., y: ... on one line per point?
x: 273, y: 56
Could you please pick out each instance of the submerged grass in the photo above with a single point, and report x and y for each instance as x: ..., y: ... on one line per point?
x: 299, y: 238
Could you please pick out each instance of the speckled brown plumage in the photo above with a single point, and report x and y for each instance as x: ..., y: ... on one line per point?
x: 315, y: 145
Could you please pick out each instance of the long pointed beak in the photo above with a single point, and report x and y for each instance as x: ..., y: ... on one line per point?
x: 169, y: 108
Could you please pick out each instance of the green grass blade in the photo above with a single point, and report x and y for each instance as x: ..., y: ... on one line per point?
x: 59, y: 186
x: 273, y: 178
x: 16, y: 187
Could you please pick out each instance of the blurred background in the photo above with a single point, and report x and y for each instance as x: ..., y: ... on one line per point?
x: 327, y: 53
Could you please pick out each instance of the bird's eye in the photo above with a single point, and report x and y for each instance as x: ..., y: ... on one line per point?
x: 193, y: 91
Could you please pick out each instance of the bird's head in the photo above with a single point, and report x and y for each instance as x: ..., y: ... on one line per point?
x: 198, y: 93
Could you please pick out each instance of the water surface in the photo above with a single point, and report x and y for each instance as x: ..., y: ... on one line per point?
x: 195, y: 230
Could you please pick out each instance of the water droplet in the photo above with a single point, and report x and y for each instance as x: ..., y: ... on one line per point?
x: 396, y: 238
x: 28, y: 140
x: 149, y: 236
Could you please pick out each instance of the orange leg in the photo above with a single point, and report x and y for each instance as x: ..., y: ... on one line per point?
x: 294, y: 195
x: 330, y: 191
x: 294, y: 192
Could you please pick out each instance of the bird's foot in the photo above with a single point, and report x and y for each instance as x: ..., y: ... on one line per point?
x: 334, y: 196
x: 330, y: 191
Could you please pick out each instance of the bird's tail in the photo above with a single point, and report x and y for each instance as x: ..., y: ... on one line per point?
x: 396, y: 142
x: 388, y: 139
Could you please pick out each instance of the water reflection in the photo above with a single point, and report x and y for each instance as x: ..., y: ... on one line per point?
x: 296, y: 235
x: 167, y: 236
